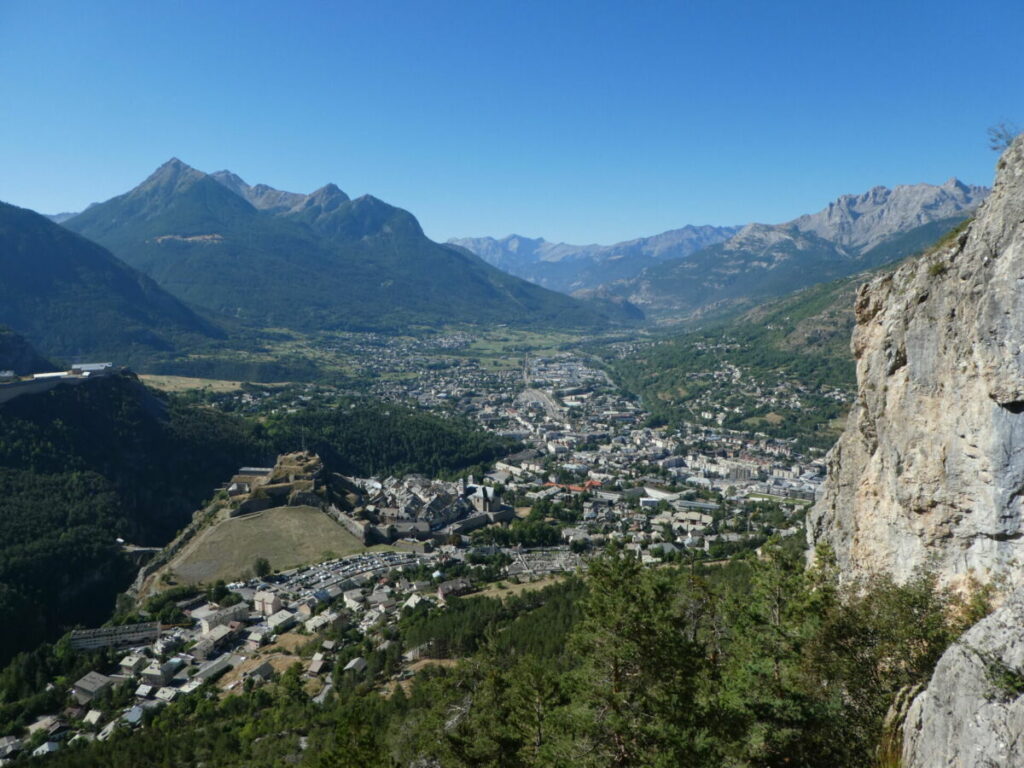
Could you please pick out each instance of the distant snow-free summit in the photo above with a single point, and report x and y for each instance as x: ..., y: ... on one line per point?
x: 689, y: 272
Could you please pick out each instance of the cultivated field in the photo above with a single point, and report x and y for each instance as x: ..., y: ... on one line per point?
x: 186, y: 383
x: 286, y: 536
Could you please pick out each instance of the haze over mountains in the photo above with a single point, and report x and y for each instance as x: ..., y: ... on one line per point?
x: 311, y: 262
x: 569, y: 268
x: 695, y: 270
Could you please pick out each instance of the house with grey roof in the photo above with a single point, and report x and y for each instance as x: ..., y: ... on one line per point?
x: 281, y: 620
x: 357, y: 665
x: 90, y: 686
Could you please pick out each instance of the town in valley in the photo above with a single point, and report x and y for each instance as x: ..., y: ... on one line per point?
x: 588, y: 471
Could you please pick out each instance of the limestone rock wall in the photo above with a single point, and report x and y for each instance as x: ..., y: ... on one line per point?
x: 930, y: 468
x: 972, y: 713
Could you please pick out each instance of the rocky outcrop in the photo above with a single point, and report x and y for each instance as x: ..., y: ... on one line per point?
x: 972, y: 713
x: 930, y: 468
x: 845, y: 231
x: 861, y: 222
x: 260, y: 196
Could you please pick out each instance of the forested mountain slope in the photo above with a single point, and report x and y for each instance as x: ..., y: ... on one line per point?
x: 83, y: 465
x: 17, y: 355
x: 72, y: 298
x: 324, y: 262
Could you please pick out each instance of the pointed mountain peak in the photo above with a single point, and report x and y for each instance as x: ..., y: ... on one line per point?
x: 328, y: 193
x: 369, y: 201
x: 171, y: 176
x: 230, y: 180
x: 324, y: 200
x: 377, y: 209
x: 174, y: 167
x: 329, y: 189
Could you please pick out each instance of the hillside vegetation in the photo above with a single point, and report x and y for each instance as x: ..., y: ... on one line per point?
x: 783, y: 368
x: 758, y: 664
x: 81, y: 466
x: 364, y: 438
x: 71, y: 297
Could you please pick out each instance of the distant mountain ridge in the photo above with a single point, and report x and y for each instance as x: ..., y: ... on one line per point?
x: 60, y: 218
x: 698, y: 269
x: 568, y: 268
x: 761, y: 261
x: 862, y: 222
x: 312, y: 262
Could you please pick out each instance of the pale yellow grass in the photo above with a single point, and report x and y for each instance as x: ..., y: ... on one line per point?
x: 287, y: 536
x: 187, y: 383
x: 511, y: 588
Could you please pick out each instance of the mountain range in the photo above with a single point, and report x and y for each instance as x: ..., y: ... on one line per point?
x: 165, y: 268
x: 321, y: 261
x: 569, y: 268
x: 695, y: 271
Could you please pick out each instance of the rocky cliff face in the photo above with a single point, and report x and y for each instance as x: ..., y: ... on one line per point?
x: 972, y: 713
x: 930, y: 468
x: 266, y: 198
x: 860, y: 222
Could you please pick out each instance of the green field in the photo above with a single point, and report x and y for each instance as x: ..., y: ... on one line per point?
x: 505, y: 342
x: 286, y: 536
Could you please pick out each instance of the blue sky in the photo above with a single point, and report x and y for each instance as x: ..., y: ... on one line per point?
x: 577, y: 121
